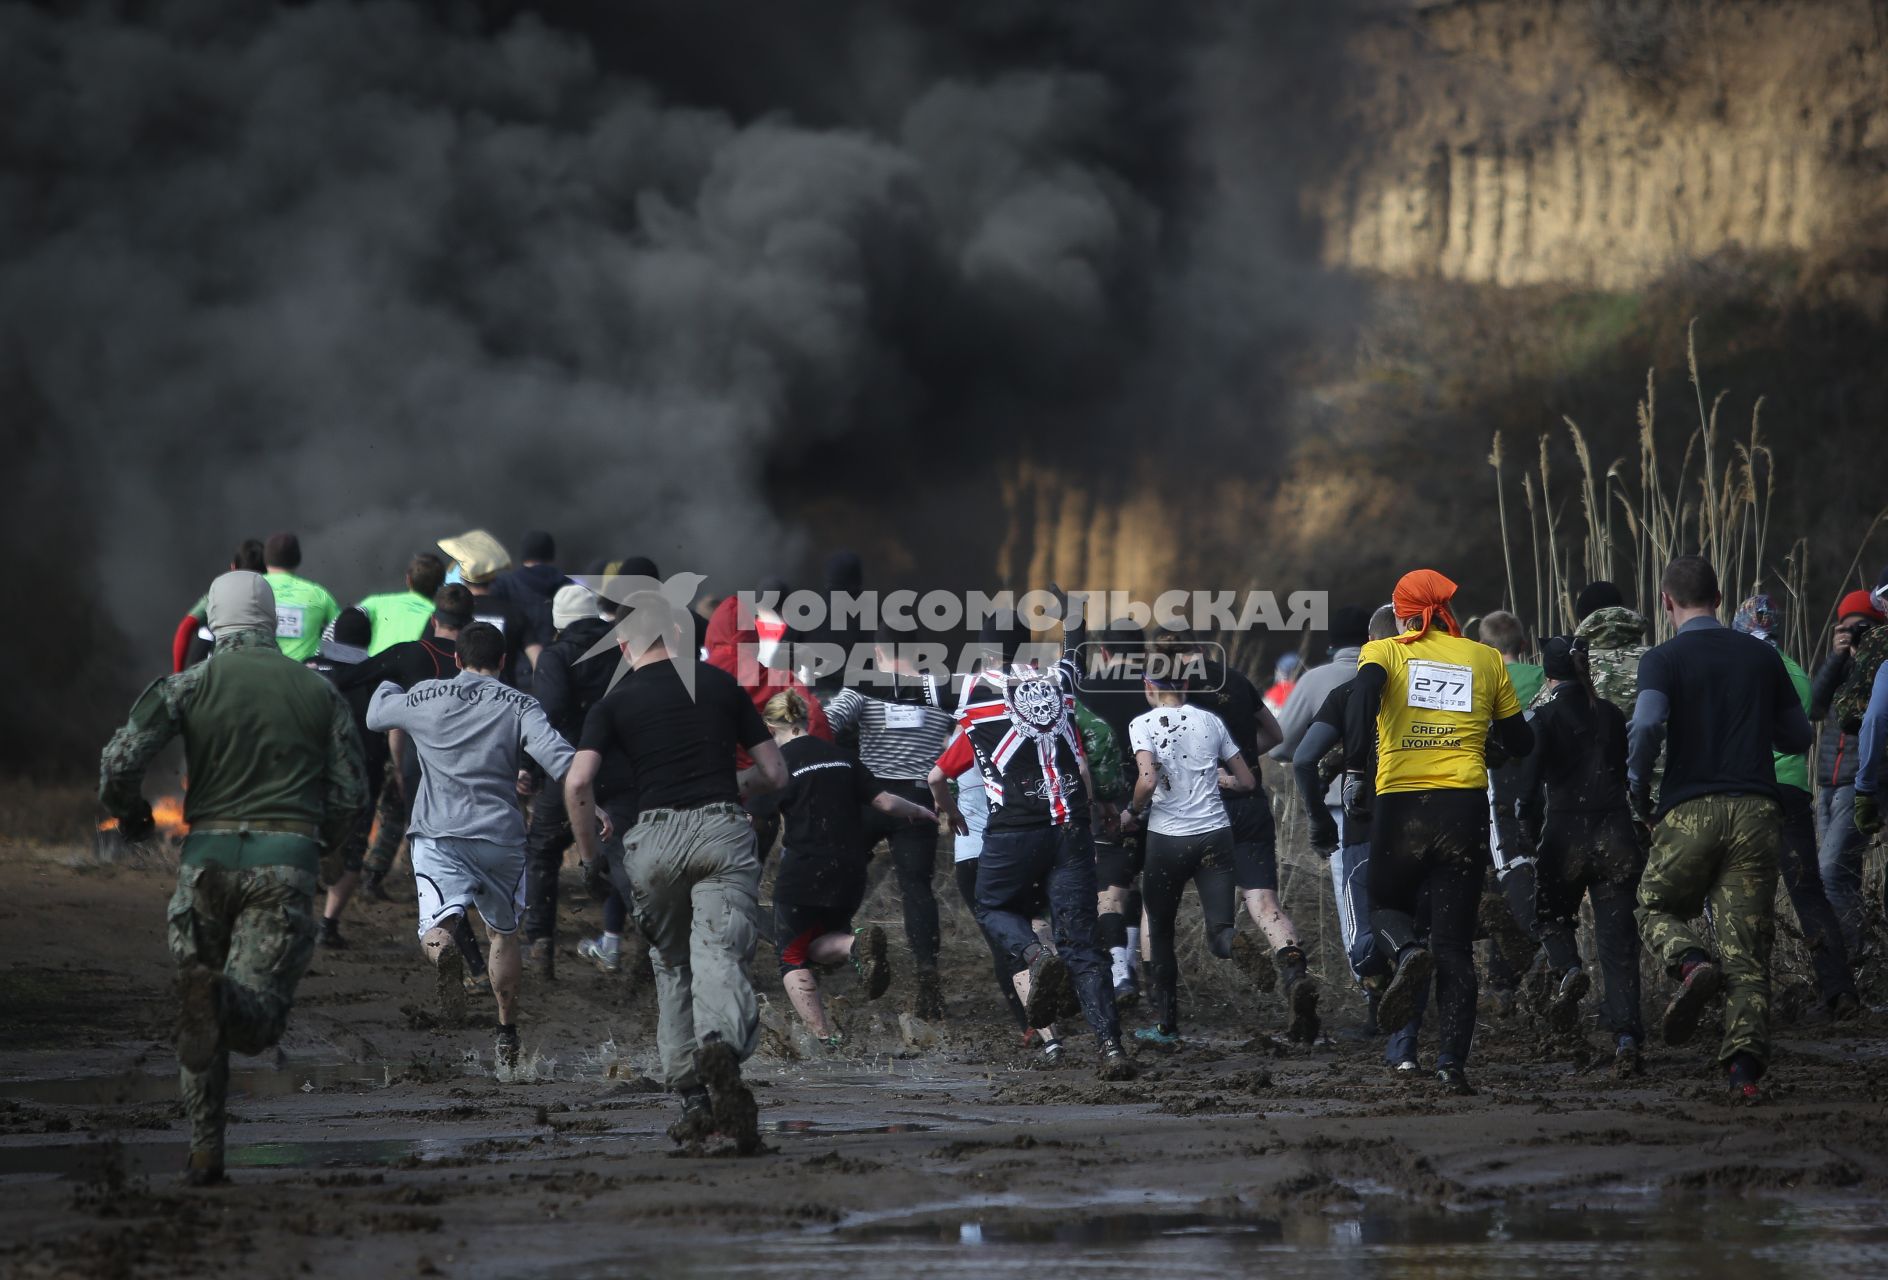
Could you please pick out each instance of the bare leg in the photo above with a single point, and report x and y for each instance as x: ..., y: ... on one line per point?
x: 1112, y: 898
x: 506, y: 962
x: 1271, y: 918
x: 803, y: 991
x: 437, y: 939
x: 339, y: 892
x: 830, y: 948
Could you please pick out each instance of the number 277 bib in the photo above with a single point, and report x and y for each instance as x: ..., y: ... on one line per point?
x: 1441, y: 686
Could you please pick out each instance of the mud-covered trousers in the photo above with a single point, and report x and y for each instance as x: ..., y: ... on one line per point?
x: 695, y: 875
x: 1594, y: 854
x: 1207, y: 861
x: 1797, y: 863
x: 255, y: 926
x: 1721, y: 852
x: 1014, y: 873
x: 546, y: 842
x: 1436, y: 841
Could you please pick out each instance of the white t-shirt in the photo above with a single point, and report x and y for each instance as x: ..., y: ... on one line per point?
x: 1188, y: 744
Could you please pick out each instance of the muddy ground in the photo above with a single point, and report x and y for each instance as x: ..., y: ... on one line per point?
x: 378, y: 1142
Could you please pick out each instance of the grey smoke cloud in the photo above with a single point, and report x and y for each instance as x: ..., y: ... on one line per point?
x: 376, y: 276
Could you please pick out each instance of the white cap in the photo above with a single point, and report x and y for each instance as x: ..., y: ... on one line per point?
x: 241, y: 600
x: 572, y: 603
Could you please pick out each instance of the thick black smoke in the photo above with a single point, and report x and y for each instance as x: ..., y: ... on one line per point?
x: 379, y: 272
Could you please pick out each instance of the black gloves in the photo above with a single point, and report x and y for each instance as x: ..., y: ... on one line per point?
x: 138, y: 828
x: 1324, y: 837
x: 1360, y: 796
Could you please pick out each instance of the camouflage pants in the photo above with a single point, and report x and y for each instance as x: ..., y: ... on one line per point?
x: 389, y: 820
x: 256, y: 925
x: 1720, y: 852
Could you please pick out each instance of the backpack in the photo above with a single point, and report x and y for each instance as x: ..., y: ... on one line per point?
x: 1851, y: 700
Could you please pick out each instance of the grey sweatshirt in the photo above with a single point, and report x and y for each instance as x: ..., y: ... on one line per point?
x: 1313, y: 687
x: 471, y: 733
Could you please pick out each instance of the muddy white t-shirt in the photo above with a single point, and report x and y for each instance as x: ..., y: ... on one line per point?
x: 1188, y: 744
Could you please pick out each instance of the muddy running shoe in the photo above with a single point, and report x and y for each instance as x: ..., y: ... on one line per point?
x: 1454, y: 1081
x: 1627, y: 1061
x: 1407, y: 987
x: 541, y: 956
x: 1115, y: 1063
x: 608, y: 959
x: 736, y: 1116
x: 331, y: 934
x: 1703, y: 981
x: 505, y: 1048
x: 697, y: 1124
x: 1301, y: 997
x: 1127, y: 993
x: 204, y: 1169
x: 872, y: 962
x: 1052, y: 1051
x: 1158, y: 1037
x: 449, y: 984
x: 1563, y: 1012
x: 374, y: 887
x: 199, y: 1016
x: 1254, y: 961
x: 1050, y: 991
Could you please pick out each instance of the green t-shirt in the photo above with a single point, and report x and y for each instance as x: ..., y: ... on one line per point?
x: 303, y: 610
x: 1793, y: 771
x: 397, y: 617
x: 1527, y: 680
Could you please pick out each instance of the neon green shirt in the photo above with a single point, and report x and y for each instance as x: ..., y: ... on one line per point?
x: 397, y: 617
x: 1793, y: 771
x: 303, y: 610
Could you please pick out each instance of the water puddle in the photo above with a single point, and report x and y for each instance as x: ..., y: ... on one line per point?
x: 818, y: 1128
x: 135, y: 1088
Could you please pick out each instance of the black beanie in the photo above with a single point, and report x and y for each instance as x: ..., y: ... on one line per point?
x: 1595, y: 596
x: 1557, y: 657
x: 1349, y: 626
x: 354, y: 628
x: 537, y: 545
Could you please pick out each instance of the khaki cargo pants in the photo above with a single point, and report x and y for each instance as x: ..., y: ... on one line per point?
x: 256, y: 926
x: 697, y: 895
x: 1721, y: 852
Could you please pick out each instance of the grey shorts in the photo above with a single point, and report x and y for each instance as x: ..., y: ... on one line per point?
x: 453, y: 874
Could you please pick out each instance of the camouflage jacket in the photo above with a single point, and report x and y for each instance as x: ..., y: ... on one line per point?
x: 162, y: 712
x: 1615, y: 640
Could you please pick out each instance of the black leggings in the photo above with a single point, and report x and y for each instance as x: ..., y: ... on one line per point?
x: 1207, y: 860
x: 966, y: 874
x: 1435, y: 841
x: 1595, y: 854
x: 914, y: 856
x: 1797, y: 859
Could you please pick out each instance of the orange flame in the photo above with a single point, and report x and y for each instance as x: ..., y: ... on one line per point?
x: 167, y: 812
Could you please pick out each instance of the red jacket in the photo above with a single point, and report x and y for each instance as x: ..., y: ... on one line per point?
x: 735, y: 650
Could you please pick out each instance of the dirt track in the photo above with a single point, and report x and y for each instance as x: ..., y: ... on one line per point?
x: 374, y: 1145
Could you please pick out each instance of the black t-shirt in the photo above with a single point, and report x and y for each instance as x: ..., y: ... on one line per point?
x: 511, y: 618
x: 1236, y: 701
x: 823, y: 853
x: 412, y: 661
x: 679, y: 751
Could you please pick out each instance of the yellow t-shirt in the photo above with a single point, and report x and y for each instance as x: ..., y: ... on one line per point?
x: 1432, y: 725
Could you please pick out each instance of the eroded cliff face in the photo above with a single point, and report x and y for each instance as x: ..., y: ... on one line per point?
x: 1519, y: 143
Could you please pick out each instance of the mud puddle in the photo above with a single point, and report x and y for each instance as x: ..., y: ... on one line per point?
x: 135, y: 1088
x: 1676, y: 1238
x: 108, y: 1159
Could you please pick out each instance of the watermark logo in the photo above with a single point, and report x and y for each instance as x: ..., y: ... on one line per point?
x: 1200, y: 667
x: 646, y: 612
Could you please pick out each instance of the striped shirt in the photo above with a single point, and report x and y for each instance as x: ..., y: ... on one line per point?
x: 898, y: 741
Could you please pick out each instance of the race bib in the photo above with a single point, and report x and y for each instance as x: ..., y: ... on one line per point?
x: 1441, y: 686
x: 494, y: 620
x: 899, y: 717
x: 288, y: 621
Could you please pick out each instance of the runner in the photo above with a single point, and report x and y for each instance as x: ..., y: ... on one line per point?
x: 398, y: 617
x: 303, y: 610
x: 1235, y: 700
x: 1115, y: 698
x: 472, y: 734
x: 1721, y: 703
x: 1841, y: 852
x: 478, y: 558
x: 1796, y: 858
x: 192, y: 641
x: 902, y: 728
x: 1571, y: 796
x: 1508, y: 909
x: 821, y: 879
x: 344, y: 663
x: 1425, y: 701
x: 1179, y: 752
x: 689, y: 861
x: 275, y: 779
x: 1020, y: 735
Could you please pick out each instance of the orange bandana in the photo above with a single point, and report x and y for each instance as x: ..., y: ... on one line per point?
x: 1425, y: 594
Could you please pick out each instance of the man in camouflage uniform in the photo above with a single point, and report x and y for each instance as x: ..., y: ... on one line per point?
x: 275, y: 777
x: 1721, y: 702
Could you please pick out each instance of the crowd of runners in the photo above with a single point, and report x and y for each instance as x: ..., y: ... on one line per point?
x: 496, y: 721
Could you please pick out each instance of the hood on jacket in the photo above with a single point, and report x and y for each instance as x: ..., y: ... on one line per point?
x: 533, y: 581
x: 1614, y: 627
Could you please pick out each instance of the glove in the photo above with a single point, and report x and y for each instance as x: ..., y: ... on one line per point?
x: 1359, y: 796
x: 139, y: 827
x: 596, y: 879
x: 1324, y: 838
x: 1639, y: 799
x: 1867, y: 815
